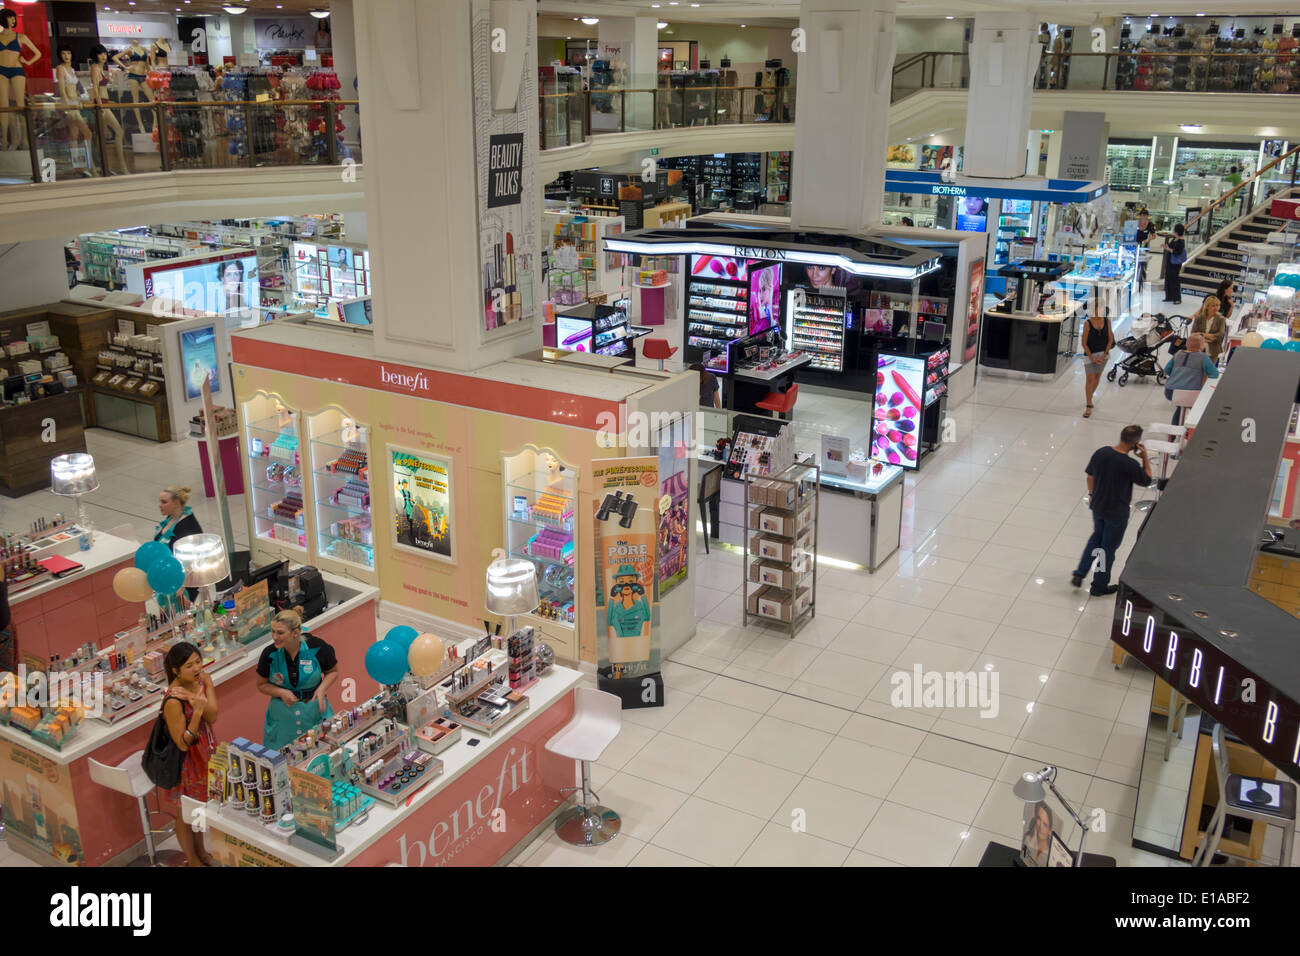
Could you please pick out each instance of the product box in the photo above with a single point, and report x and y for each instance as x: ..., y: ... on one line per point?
x: 280, y: 784
x: 770, y: 548
x: 237, y: 749
x: 772, y: 574
x: 775, y: 604
x: 805, y: 517
x: 774, y: 522
x: 753, y: 598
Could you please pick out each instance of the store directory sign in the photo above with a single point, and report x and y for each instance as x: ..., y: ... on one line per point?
x: 900, y: 380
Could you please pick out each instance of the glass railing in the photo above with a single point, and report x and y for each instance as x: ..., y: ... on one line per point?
x: 569, y: 118
x: 1158, y: 70
x: 50, y: 142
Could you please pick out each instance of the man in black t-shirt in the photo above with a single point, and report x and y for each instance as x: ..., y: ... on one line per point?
x: 1111, y: 477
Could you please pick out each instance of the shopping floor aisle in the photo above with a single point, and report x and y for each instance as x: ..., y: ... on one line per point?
x: 759, y: 731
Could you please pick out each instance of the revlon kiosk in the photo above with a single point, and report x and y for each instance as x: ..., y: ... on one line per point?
x: 414, y: 480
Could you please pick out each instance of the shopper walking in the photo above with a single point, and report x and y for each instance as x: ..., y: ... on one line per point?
x: 1111, y: 475
x: 189, y: 710
x: 1209, y: 321
x: 1098, y: 340
x: 1175, y: 256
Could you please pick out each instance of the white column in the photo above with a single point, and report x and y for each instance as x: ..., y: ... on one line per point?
x: 343, y: 36
x: 1004, y: 57
x: 842, y: 113
x: 433, y: 92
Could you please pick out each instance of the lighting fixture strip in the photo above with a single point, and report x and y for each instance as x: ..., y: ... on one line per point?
x: 806, y: 256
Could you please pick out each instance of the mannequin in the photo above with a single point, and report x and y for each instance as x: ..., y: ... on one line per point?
x: 284, y: 417
x: 349, y: 432
x: 554, y: 473
x: 67, y: 84
x: 99, y: 96
x: 13, y: 78
x: 159, y: 51
x: 135, y: 60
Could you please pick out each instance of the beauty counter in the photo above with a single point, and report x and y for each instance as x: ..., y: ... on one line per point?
x: 90, y: 824
x: 1026, y: 341
x: 450, y: 821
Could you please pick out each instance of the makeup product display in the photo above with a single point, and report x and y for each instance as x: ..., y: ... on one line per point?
x: 598, y: 329
x: 327, y: 272
x: 781, y: 553
x: 437, y: 735
x: 817, y: 326
x: 340, y: 466
x: 51, y: 723
x: 275, y: 479
x: 539, y: 508
x: 759, y: 447
x: 717, y: 304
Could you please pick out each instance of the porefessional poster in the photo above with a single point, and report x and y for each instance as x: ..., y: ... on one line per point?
x: 625, y: 497
x: 421, y: 489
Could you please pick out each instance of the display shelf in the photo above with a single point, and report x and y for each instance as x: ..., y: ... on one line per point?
x: 817, y: 326
x: 779, y: 578
x: 341, y: 505
x: 540, y: 496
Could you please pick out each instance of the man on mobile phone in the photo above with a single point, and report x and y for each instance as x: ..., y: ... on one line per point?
x: 1111, y: 475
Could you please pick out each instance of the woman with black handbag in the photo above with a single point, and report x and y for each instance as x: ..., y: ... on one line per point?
x: 188, y: 712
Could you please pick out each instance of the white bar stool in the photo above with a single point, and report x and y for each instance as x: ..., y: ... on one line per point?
x: 597, y: 719
x: 1184, y: 398
x: 128, y: 777
x: 1249, y: 798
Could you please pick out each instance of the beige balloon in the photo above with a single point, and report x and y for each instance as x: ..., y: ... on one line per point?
x: 426, y: 655
x: 1252, y: 340
x: 132, y: 584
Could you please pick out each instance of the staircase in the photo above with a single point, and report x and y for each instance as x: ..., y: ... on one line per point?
x: 1221, y: 259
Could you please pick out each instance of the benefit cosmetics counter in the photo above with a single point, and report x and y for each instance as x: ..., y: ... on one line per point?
x: 1213, y: 624
x: 448, y: 794
x: 77, y: 629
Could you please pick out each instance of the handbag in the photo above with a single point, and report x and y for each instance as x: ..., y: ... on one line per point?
x: 162, y: 759
x: 1185, y: 376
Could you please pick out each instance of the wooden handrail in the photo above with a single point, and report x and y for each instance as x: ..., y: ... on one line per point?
x: 1242, y: 185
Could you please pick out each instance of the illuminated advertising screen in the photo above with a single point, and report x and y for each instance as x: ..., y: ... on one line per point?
x: 973, y: 214
x: 764, y: 298
x: 199, y: 360
x: 900, y: 380
x: 220, y: 285
x: 573, y: 334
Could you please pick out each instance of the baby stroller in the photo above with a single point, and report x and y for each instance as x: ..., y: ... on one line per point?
x: 1141, y: 349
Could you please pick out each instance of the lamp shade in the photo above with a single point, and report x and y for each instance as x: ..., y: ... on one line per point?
x: 73, y: 474
x: 203, y: 556
x: 1029, y: 787
x: 512, y: 587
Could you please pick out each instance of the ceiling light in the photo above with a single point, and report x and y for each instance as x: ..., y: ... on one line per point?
x: 950, y: 18
x: 695, y: 4
x: 742, y: 26
x: 235, y: 11
x: 1191, y: 127
x: 591, y: 21
x: 661, y: 24
x: 320, y: 14
x: 1200, y: 14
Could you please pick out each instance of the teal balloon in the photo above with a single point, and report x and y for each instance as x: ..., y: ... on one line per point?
x: 1273, y: 344
x: 1292, y: 346
x: 149, y: 554
x: 386, y: 662
x: 1291, y: 279
x: 166, y: 576
x: 403, y: 636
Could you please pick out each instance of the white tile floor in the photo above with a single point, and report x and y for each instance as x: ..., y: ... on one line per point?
x: 772, y: 751
x: 780, y: 752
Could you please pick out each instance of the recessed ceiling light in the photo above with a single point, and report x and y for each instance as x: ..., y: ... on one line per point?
x: 591, y: 21
x: 1191, y: 127
x: 742, y: 26
x: 695, y: 4
x: 319, y: 14
x: 950, y: 18
x: 1200, y: 14
x: 235, y: 11
x: 661, y: 24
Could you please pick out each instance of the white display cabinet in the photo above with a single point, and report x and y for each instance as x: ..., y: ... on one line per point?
x: 277, y: 514
x: 343, y: 531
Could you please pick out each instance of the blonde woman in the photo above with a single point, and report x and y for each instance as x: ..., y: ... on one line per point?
x: 99, y: 96
x: 296, y: 671
x: 1210, y: 322
x: 178, y: 519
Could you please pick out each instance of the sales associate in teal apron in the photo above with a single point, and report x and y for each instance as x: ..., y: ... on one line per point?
x: 296, y: 672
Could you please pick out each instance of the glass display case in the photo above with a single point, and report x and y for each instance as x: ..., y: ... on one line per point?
x: 540, y: 520
x: 340, y: 484
x: 275, y: 472
x: 1130, y: 166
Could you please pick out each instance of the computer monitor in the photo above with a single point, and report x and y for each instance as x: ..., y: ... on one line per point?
x: 276, y: 574
x: 933, y: 331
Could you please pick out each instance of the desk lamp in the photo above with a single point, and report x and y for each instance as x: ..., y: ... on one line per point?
x: 1030, y: 788
x: 512, y: 588
x: 73, y: 476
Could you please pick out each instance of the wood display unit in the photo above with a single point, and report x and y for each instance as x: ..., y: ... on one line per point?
x: 24, y: 455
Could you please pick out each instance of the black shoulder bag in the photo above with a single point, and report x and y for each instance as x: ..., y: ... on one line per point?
x: 162, y: 759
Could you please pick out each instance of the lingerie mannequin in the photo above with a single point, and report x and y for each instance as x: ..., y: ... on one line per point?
x: 67, y: 84
x: 135, y: 60
x: 159, y: 51
x: 13, y: 78
x: 99, y: 95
